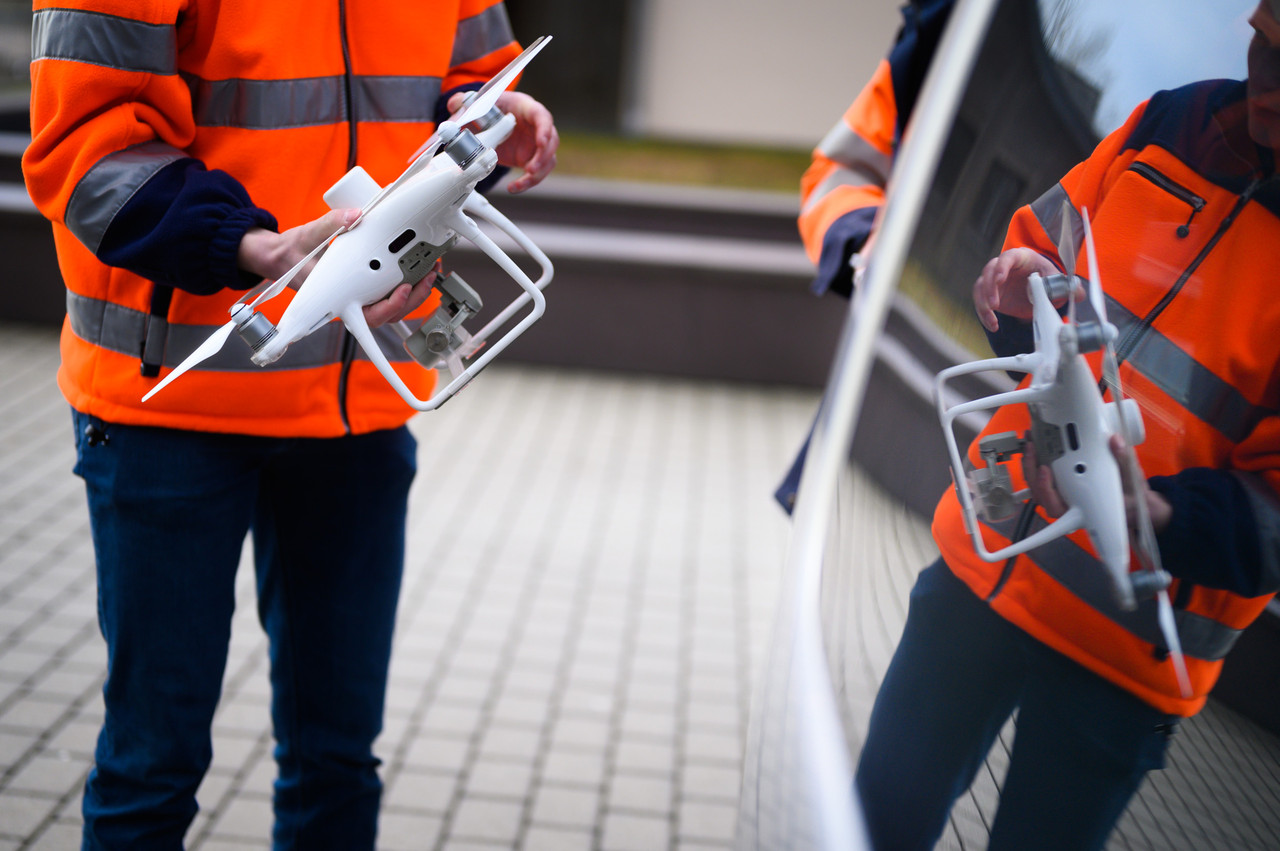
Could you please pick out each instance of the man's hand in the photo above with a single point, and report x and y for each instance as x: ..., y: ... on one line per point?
x: 1158, y: 508
x: 533, y: 143
x: 1040, y: 480
x: 401, y: 301
x: 270, y: 255
x: 1002, y: 285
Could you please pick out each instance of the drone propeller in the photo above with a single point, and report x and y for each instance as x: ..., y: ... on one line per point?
x: 1067, y: 252
x: 484, y: 99
x: 474, y: 108
x: 207, y: 349
x: 1131, y: 470
x: 241, y: 313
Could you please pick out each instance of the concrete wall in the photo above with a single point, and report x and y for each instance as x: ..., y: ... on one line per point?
x: 752, y: 71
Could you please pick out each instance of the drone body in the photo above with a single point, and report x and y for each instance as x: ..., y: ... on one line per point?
x: 1071, y: 432
x: 402, y: 230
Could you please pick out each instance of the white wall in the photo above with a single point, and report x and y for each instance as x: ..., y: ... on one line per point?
x: 771, y: 72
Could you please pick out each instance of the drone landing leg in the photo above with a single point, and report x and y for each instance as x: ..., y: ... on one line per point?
x: 353, y: 318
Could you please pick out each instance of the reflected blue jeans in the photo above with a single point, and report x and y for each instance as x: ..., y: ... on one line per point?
x: 1081, y: 749
x: 170, y: 511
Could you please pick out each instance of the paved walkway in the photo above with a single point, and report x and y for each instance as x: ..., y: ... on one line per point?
x: 592, y: 568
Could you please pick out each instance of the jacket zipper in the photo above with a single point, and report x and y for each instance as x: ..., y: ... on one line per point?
x: 1130, y: 341
x: 1194, y: 201
x: 348, y: 342
x: 1135, y: 333
x: 347, y: 82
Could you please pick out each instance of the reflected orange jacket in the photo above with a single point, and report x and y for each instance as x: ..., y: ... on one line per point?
x: 124, y: 95
x: 1187, y: 224
x: 843, y: 189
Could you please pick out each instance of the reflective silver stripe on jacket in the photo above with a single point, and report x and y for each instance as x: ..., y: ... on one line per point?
x: 860, y: 163
x: 1266, y: 514
x: 109, y: 184
x: 123, y: 329
x: 133, y: 46
x: 280, y: 104
x: 480, y: 35
x: 1086, y: 578
x: 1188, y: 382
x: 106, y: 40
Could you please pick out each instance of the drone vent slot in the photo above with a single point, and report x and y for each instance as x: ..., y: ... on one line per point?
x: 1073, y: 440
x: 401, y: 241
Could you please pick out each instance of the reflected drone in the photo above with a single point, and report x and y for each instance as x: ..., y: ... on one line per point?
x: 1071, y: 430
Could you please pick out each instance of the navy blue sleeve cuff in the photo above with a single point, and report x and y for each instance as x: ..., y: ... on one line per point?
x: 844, y: 237
x: 1013, y: 337
x: 183, y: 228
x: 1212, y: 537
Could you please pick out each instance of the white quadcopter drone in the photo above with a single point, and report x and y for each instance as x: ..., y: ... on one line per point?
x: 402, y: 230
x: 1071, y: 429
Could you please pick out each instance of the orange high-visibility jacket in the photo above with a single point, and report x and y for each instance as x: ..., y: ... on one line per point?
x: 1187, y: 223
x: 843, y: 188
x: 284, y: 97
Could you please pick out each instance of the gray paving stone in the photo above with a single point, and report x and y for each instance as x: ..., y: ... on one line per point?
x: 21, y: 814
x: 639, y: 793
x: 549, y: 838
x: 697, y: 820
x: 576, y: 766
x: 407, y: 831
x: 438, y: 753
x: 627, y: 832
x: 420, y: 791
x: 510, y: 741
x: 500, y: 778
x: 50, y: 774
x: 634, y: 754
x: 487, y: 820
x: 566, y: 806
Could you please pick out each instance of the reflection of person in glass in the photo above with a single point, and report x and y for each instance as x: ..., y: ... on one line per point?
x: 1185, y: 207
x: 842, y: 191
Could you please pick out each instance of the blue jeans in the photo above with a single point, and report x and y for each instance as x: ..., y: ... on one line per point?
x: 170, y: 511
x: 1081, y: 749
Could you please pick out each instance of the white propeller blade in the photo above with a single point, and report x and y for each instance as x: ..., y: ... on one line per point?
x: 1170, y: 629
x: 487, y: 96
x: 1067, y: 254
x: 207, y: 349
x: 1066, y: 241
x: 1132, y: 475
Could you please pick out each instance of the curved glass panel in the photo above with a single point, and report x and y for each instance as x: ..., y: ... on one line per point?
x: 1053, y: 79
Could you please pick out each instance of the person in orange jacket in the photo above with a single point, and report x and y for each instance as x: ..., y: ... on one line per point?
x: 1184, y: 203
x: 842, y: 190
x: 180, y: 149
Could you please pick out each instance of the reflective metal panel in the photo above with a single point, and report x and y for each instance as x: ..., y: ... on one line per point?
x: 1050, y: 80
